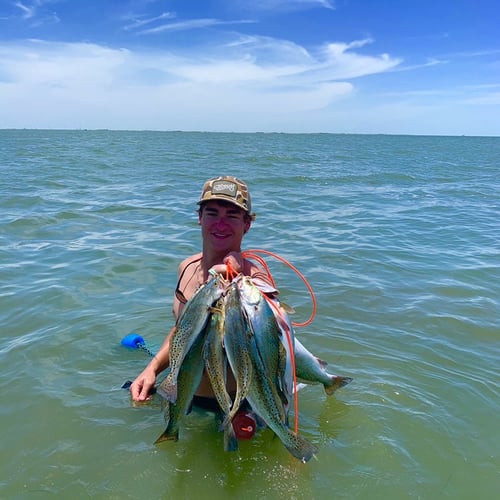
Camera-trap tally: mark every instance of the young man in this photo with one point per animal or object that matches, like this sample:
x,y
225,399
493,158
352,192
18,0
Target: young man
x,y
224,216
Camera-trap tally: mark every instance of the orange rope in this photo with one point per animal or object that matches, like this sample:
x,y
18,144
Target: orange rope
x,y
230,272
248,254
253,254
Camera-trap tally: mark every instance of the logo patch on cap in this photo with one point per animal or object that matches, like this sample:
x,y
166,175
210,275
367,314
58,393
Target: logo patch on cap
x,y
225,188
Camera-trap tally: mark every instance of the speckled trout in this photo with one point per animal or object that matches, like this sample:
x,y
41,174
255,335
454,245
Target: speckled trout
x,y
273,348
236,344
312,370
309,369
216,369
189,326
188,380
265,352
265,401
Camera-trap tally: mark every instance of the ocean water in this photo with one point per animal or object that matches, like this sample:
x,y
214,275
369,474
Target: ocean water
x,y
399,237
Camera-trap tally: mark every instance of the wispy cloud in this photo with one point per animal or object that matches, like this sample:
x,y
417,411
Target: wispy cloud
x,y
139,23
474,53
485,99
425,64
190,24
285,5
477,95
27,11
36,13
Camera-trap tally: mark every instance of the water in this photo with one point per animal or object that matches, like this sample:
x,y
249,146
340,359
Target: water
x,y
399,238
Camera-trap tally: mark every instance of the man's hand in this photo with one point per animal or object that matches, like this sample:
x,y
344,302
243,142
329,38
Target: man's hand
x,y
235,261
140,390
232,261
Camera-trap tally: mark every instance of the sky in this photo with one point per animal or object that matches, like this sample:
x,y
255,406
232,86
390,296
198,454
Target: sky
x,y
298,66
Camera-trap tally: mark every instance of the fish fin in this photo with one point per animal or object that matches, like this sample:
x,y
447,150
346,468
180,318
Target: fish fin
x,y
168,390
287,308
321,362
283,397
264,286
215,309
300,386
127,384
337,383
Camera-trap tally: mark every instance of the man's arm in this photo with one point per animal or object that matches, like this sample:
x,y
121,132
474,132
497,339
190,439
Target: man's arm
x,y
145,381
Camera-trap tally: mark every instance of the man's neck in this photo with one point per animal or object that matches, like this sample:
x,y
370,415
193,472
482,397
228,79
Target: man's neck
x,y
211,258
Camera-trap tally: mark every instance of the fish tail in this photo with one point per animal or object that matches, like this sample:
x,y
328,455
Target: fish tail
x,y
168,435
337,383
230,440
302,449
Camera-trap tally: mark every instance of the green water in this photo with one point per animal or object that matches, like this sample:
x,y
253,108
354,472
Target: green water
x,y
399,238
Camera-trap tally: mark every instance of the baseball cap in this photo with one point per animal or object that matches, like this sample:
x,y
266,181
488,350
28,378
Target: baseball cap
x,y
227,188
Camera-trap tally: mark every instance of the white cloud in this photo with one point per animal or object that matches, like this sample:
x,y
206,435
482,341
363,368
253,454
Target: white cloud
x,y
27,11
189,24
35,14
136,22
285,5
484,99
48,84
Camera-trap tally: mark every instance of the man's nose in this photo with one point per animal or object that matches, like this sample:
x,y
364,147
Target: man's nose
x,y
221,220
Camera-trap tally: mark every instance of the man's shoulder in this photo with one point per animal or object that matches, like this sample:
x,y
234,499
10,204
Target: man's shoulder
x,y
189,260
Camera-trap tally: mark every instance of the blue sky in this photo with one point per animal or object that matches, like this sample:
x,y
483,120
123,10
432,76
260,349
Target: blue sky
x,y
346,66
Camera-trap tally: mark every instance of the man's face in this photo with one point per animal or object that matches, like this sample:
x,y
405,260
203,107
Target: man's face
x,y
223,225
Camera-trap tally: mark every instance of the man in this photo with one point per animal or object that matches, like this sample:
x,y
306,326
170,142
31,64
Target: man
x,y
225,216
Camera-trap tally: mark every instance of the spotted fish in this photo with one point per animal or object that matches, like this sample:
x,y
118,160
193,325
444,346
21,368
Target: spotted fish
x,y
189,326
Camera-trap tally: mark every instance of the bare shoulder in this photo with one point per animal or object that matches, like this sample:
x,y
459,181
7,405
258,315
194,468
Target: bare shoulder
x,y
189,260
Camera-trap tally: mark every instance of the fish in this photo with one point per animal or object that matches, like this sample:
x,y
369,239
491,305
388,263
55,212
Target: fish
x,y
309,369
266,402
189,326
273,348
237,333
312,370
216,368
188,380
266,355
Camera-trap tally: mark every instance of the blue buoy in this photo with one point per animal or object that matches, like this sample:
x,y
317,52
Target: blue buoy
x,y
133,340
